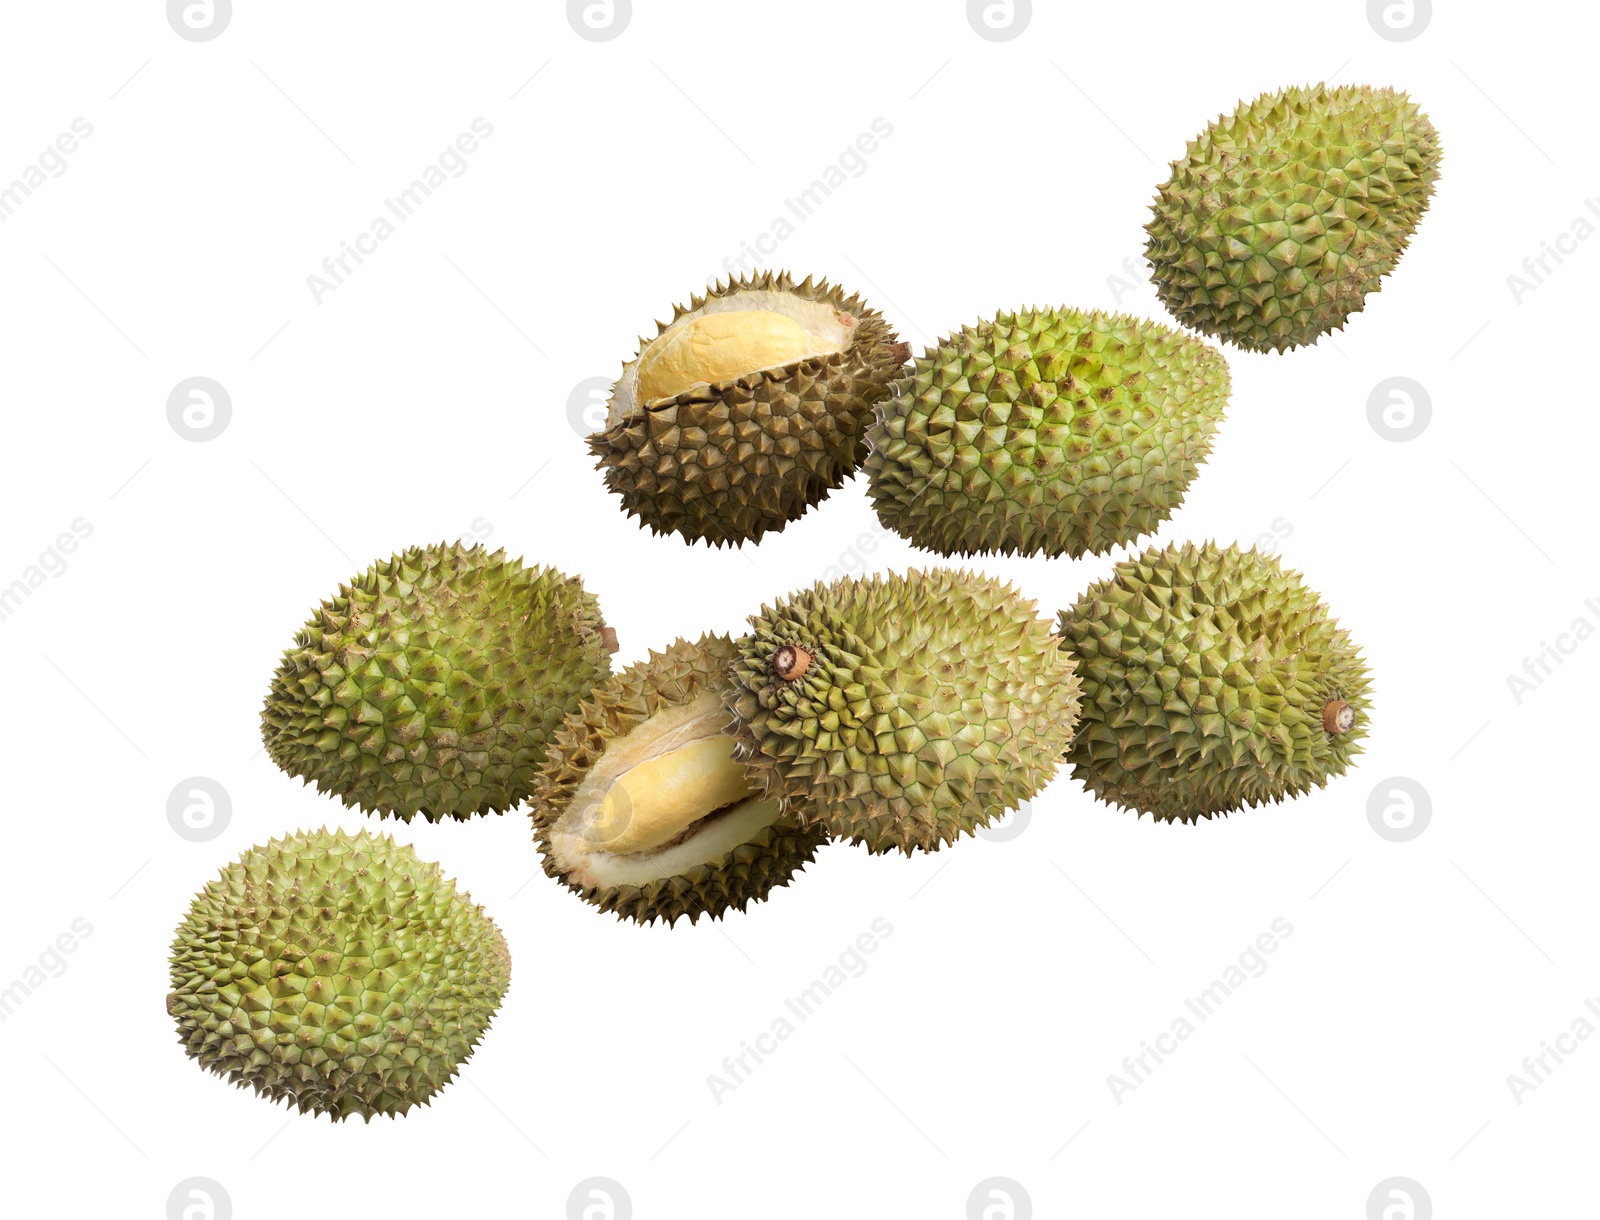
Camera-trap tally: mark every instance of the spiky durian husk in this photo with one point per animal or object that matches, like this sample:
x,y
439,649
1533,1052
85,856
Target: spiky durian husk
x,y
667,679
336,972
932,703
1283,216
433,681
730,461
1048,431
1205,674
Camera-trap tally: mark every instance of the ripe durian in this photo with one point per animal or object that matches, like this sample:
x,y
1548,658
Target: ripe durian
x,y
640,807
336,972
432,683
747,408
1281,217
902,711
1212,680
1047,431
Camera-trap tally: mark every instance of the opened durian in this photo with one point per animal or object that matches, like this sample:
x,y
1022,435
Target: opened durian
x,y
641,808
433,681
1212,679
902,711
1283,216
1048,431
746,409
336,972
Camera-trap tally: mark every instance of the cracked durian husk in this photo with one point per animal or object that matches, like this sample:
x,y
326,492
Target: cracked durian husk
x,y
641,808
747,408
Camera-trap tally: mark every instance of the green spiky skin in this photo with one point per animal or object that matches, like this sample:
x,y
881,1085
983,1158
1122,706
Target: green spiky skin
x,y
1051,431
932,703
433,682
1283,216
667,679
1205,674
731,461
337,973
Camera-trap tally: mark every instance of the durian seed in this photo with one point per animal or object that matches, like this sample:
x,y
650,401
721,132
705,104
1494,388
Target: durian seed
x,y
1338,716
720,347
654,802
791,662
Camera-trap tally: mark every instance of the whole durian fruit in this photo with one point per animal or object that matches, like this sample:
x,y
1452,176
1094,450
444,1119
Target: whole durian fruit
x,y
336,972
746,409
1212,680
433,681
640,807
902,711
1283,216
1048,431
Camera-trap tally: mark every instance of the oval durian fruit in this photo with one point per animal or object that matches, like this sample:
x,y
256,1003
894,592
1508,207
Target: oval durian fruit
x,y
746,409
1283,216
1045,431
641,808
1212,680
336,972
433,681
902,711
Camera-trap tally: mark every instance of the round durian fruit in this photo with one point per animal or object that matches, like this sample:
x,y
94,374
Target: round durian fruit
x,y
1045,431
336,972
1212,680
747,408
1283,216
641,808
432,683
902,711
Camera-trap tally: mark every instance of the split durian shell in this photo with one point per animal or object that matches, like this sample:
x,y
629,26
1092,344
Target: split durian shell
x,y
640,808
739,453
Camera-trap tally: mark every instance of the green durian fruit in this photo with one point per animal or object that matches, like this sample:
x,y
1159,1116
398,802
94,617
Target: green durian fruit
x,y
336,972
1048,431
433,682
640,807
902,711
1283,216
747,408
1212,680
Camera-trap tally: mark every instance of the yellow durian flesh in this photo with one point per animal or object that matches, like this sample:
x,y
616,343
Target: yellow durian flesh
x,y
719,347
657,800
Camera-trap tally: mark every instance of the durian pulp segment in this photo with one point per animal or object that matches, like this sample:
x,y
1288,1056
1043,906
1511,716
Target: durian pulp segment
x,y
728,337
665,798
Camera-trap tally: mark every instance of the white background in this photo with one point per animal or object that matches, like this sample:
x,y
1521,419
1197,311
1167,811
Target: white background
x,y
427,397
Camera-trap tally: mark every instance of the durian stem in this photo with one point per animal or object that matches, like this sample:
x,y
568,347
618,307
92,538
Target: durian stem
x,y
608,639
900,351
791,662
1338,716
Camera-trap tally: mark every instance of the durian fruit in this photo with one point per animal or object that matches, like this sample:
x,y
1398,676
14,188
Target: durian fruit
x,y
1045,431
433,681
336,972
902,711
640,807
1212,680
1283,216
746,409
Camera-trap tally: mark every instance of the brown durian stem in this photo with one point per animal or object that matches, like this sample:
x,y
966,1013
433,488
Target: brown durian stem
x,y
1338,716
608,639
791,662
900,351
